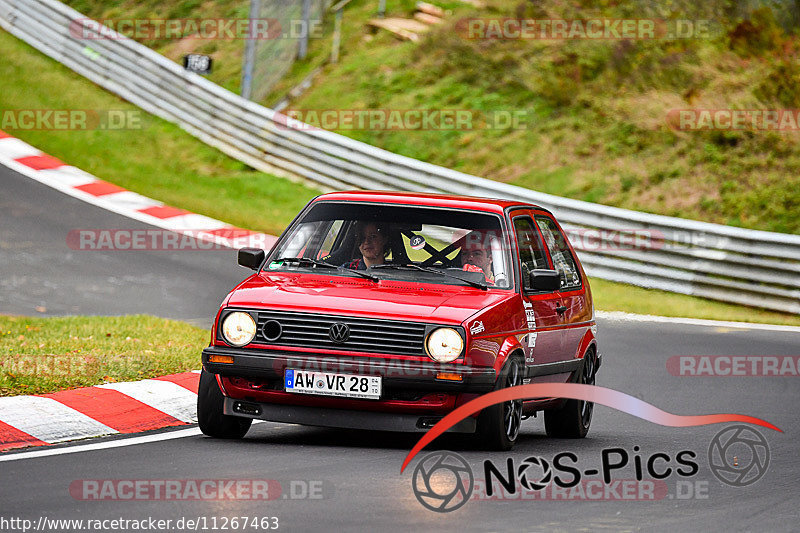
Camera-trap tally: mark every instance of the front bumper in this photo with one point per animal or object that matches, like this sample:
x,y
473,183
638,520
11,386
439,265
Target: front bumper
x,y
396,374
340,418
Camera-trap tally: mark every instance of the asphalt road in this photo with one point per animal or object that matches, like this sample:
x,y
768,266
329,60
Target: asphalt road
x,y
359,471
38,268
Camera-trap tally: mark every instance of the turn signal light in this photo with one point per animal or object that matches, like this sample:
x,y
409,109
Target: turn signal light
x,y
220,359
449,376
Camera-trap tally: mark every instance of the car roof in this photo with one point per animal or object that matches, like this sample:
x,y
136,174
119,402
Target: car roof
x,y
494,205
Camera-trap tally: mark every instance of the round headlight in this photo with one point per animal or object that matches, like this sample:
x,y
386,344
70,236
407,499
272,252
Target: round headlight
x,y
444,345
239,328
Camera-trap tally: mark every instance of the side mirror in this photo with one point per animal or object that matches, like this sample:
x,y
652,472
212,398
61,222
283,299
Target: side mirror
x,y
544,280
251,257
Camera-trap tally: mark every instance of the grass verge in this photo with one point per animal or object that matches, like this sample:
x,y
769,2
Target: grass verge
x,y
40,355
611,296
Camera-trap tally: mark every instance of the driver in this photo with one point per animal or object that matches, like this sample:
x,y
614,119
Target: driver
x,y
476,255
373,243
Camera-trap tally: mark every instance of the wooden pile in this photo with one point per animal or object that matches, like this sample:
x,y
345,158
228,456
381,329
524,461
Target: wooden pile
x,y
425,16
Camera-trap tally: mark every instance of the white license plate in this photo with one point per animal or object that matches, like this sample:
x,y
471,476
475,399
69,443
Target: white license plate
x,y
330,384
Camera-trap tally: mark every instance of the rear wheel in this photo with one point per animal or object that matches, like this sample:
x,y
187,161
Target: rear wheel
x,y
213,422
572,420
499,424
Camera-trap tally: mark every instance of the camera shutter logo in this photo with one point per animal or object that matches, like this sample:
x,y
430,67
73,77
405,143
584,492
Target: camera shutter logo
x,y
443,481
339,332
526,473
738,456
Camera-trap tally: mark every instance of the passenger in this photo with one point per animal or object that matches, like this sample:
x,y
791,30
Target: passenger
x,y
373,243
476,255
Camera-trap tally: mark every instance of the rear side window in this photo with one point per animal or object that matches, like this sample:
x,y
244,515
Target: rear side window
x,y
562,258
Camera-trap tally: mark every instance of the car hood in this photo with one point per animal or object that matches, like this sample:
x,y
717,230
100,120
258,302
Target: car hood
x,y
391,299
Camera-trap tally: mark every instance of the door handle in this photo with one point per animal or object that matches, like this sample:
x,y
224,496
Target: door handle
x,y
560,309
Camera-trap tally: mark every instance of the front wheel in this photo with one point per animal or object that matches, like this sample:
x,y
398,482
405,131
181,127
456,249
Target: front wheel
x,y
572,420
499,424
210,416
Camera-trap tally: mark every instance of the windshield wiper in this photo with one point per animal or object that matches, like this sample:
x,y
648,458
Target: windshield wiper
x,y
317,262
412,266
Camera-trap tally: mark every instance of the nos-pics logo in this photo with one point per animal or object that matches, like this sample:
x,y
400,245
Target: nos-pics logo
x,y
443,481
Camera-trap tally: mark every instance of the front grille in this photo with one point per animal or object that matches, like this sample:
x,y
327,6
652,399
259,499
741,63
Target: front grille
x,y
366,334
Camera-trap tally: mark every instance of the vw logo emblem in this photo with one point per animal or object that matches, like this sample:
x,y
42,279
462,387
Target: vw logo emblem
x,y
339,332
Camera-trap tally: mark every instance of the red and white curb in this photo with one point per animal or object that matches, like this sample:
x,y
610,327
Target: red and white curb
x,y
107,409
33,163
110,408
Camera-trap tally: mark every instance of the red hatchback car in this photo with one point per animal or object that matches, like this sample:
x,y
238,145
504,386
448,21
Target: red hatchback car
x,y
386,311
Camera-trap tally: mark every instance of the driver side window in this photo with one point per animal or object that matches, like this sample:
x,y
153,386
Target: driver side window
x,y
531,251
563,261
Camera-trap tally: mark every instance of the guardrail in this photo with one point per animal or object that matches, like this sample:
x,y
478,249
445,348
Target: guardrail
x,y
724,263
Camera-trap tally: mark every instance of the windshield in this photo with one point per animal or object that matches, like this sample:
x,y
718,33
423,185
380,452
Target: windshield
x,y
455,247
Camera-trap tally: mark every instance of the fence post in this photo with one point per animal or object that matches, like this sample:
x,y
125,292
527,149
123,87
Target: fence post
x,y
250,52
302,49
337,30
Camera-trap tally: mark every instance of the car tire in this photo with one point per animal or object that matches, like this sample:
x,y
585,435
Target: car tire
x,y
499,424
210,416
573,418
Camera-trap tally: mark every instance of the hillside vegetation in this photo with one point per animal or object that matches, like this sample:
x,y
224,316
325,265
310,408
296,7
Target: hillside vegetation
x,y
596,111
